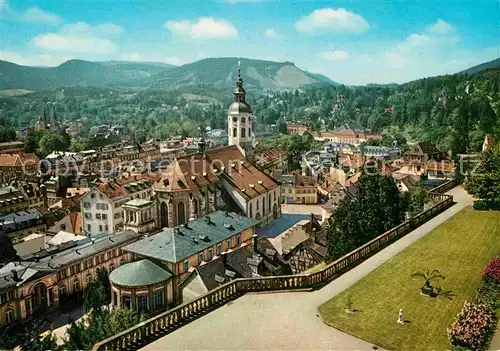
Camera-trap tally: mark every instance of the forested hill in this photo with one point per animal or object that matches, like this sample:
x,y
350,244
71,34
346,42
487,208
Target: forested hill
x,y
78,73
493,64
209,73
454,111
221,73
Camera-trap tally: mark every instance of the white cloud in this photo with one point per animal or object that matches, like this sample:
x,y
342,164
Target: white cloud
x,y
413,41
337,55
70,43
271,33
440,27
35,60
132,56
80,37
203,28
174,60
82,28
334,20
36,14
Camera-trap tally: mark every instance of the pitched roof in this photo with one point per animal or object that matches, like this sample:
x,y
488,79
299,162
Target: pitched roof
x,y
245,177
423,148
138,273
190,172
238,264
187,172
176,244
7,160
113,188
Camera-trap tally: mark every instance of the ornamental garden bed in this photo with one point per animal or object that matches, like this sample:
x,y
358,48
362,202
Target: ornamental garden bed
x,y
460,248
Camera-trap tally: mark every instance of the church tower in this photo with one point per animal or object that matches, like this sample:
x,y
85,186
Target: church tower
x,y
240,119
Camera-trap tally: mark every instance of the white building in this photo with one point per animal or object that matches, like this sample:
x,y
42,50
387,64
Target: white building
x,y
101,207
240,119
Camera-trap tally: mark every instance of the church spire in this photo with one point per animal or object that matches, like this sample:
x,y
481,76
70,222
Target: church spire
x,y
239,92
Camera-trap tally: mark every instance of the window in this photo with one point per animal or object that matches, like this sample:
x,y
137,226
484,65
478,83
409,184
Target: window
x,y
242,119
92,195
86,205
98,216
115,298
201,258
100,227
181,214
243,132
238,239
228,243
88,215
186,266
235,132
62,290
250,210
210,254
89,227
76,286
88,278
219,249
118,215
126,301
9,315
106,228
158,298
263,206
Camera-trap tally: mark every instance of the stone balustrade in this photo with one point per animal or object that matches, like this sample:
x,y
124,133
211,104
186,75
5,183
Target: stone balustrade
x,y
168,321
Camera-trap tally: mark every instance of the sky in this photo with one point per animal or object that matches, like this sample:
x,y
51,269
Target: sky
x,y
353,42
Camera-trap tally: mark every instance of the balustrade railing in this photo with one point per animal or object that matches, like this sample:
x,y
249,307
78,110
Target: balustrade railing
x,y
175,318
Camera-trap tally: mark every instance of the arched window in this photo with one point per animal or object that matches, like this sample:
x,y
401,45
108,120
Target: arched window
x,y
242,119
9,315
195,206
249,132
76,286
181,213
250,210
111,267
235,119
263,206
62,290
122,262
243,132
163,215
249,119
235,132
88,278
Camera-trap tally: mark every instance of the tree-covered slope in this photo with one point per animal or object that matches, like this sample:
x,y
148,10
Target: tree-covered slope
x,y
221,73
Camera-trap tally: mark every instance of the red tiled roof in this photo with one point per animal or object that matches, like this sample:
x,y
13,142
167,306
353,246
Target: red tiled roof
x,y
7,160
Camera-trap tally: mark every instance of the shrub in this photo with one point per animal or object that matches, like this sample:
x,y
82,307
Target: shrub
x,y
492,270
473,326
480,206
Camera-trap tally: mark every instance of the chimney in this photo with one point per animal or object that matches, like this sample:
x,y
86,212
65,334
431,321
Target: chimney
x,y
224,258
254,242
15,277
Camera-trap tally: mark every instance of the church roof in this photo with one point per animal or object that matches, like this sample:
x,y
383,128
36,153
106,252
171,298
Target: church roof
x,y
247,179
239,107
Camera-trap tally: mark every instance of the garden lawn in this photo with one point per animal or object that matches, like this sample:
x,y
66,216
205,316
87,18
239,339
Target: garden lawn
x,y
460,249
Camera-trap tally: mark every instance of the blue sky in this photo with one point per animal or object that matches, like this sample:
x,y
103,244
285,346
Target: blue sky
x,y
353,42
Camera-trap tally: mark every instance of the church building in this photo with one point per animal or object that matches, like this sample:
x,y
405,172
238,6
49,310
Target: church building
x,y
222,178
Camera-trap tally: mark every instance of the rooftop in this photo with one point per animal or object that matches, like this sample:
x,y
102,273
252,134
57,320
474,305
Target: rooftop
x,y
139,273
176,244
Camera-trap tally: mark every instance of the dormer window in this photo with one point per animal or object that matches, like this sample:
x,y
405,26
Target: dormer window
x,y
242,119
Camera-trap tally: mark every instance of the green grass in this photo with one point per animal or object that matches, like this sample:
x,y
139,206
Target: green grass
x,y
460,248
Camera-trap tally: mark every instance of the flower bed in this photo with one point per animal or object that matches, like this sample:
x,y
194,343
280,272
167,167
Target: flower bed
x,y
473,327
493,269
476,322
